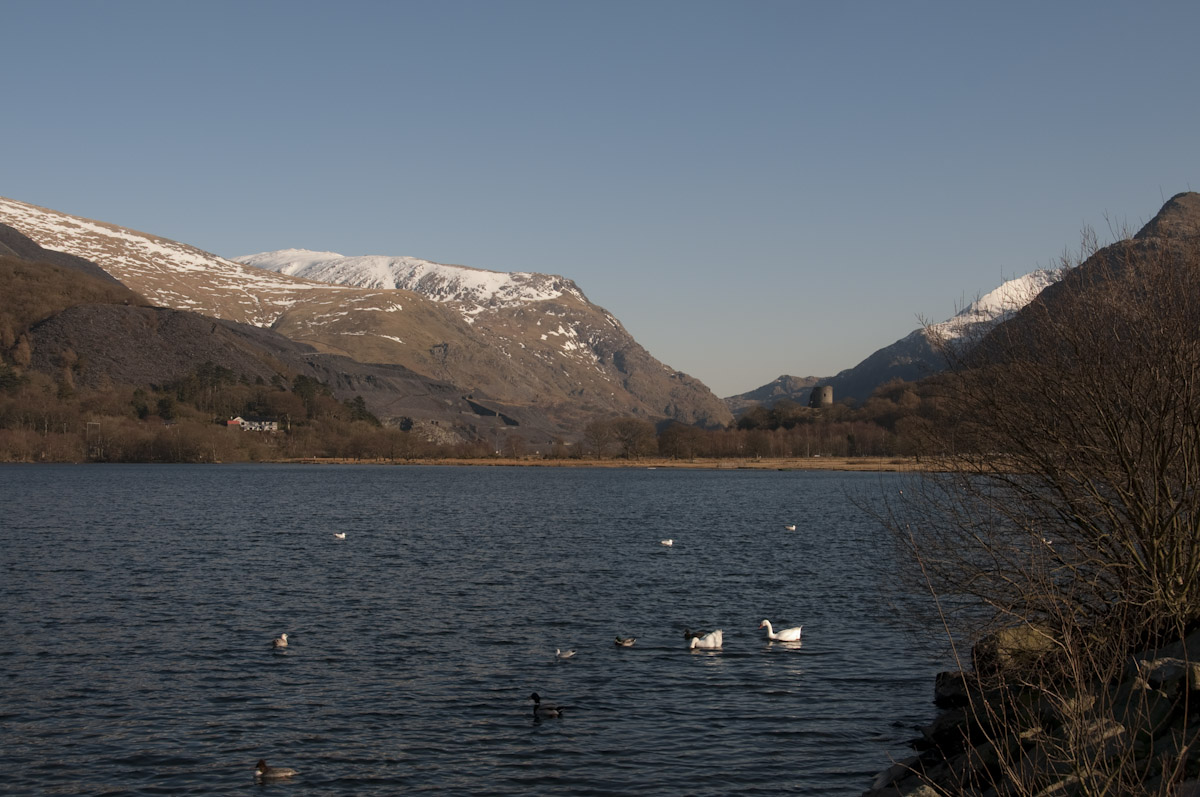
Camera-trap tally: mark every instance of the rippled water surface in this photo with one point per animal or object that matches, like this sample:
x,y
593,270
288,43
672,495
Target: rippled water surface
x,y
140,602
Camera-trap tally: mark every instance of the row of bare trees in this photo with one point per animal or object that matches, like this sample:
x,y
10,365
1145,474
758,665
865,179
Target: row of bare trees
x,y
43,418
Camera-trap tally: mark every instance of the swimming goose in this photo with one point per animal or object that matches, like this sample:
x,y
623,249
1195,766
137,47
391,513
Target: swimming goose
x,y
626,641
563,654
709,641
668,543
264,772
279,641
784,634
339,535
545,710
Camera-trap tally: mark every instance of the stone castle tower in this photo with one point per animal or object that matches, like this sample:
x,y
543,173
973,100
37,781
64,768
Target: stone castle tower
x,y
821,396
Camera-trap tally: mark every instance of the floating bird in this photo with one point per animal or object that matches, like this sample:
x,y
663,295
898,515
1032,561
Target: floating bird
x,y
710,641
279,641
339,535
626,641
790,527
784,634
563,654
264,772
545,710
668,543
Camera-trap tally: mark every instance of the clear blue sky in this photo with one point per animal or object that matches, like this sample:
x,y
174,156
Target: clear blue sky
x,y
754,188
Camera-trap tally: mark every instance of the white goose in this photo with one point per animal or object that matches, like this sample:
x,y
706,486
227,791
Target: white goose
x,y
710,641
784,634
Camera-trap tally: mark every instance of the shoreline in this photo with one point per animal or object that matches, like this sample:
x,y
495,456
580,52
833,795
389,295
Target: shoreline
x,y
647,463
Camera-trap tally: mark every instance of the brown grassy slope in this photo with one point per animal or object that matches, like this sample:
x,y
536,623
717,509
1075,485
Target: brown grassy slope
x,y
33,291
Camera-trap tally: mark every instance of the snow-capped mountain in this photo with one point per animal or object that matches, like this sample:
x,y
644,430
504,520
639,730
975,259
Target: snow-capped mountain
x,y
914,356
992,308
474,288
917,355
166,272
528,340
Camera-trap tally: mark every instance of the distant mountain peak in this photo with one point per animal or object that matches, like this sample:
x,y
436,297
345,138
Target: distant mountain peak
x,y
1179,217
475,289
992,308
782,388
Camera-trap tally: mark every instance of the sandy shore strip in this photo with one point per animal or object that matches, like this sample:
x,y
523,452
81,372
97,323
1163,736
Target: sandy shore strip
x,y
650,463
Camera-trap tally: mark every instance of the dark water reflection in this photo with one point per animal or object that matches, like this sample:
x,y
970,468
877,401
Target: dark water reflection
x,y
140,602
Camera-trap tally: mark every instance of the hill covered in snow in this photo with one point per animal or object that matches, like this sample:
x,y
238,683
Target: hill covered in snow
x,y
473,288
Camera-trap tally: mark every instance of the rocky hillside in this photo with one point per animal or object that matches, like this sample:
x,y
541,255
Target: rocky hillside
x,y
536,349
1177,224
790,388
103,345
71,320
917,354
14,244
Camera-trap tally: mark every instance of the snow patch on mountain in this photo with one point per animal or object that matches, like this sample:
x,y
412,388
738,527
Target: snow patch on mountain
x,y
992,308
166,272
476,289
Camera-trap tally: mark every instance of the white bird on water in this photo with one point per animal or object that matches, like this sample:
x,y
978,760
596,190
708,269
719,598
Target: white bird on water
x,y
790,527
784,634
279,641
563,654
339,535
710,641
668,543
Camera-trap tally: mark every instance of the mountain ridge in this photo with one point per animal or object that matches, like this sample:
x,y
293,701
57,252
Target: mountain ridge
x,y
561,356
917,354
475,288
914,356
85,330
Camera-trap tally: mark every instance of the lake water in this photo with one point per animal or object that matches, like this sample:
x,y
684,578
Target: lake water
x,y
140,603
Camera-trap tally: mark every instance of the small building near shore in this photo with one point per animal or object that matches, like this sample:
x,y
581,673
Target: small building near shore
x,y
254,423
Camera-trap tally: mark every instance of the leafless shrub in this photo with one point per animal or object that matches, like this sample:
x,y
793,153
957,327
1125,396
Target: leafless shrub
x,y
1062,536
